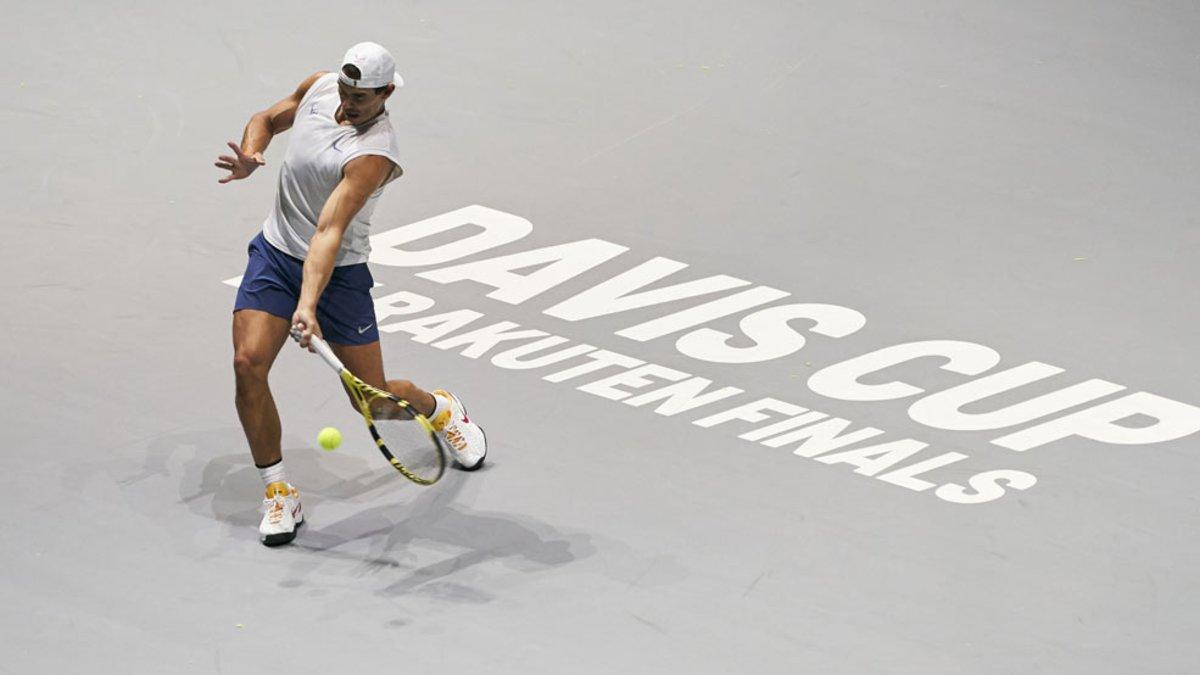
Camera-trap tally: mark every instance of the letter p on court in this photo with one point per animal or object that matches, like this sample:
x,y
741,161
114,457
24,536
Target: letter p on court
x,y
1172,420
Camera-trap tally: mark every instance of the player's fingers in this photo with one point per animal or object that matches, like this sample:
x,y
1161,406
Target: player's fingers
x,y
236,149
226,158
223,165
305,333
225,180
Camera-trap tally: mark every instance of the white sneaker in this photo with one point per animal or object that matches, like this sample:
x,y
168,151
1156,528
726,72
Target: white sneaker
x,y
464,438
283,514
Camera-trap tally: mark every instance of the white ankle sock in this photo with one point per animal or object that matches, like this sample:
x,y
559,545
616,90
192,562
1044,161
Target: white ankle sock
x,y
440,403
273,473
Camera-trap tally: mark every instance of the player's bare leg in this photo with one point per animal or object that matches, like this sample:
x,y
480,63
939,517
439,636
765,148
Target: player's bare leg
x,y
257,339
366,362
464,437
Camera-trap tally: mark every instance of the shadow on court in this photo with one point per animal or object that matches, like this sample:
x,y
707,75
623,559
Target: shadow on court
x,y
387,515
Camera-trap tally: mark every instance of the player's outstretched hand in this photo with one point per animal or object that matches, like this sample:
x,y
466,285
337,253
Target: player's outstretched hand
x,y
306,320
239,165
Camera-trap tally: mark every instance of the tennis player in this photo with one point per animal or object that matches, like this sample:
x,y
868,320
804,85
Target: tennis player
x,y
308,266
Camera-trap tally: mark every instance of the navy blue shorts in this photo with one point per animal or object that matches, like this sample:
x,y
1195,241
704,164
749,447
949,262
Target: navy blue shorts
x,y
345,310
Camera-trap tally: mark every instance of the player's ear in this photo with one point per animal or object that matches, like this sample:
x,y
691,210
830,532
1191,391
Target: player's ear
x,y
388,91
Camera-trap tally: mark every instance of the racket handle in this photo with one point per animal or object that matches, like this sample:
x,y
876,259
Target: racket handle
x,y
322,348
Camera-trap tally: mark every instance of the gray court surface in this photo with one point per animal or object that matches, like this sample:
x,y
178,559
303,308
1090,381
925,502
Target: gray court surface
x,y
1021,176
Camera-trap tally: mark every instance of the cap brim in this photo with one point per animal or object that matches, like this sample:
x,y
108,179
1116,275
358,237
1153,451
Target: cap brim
x,y
364,84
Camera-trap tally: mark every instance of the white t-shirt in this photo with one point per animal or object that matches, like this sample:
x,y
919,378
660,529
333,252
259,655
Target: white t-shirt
x,y
312,168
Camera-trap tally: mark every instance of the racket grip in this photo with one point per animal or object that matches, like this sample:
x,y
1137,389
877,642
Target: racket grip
x,y
322,348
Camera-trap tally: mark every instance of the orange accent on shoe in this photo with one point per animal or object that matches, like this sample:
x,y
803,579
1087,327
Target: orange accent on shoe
x,y
456,439
279,488
275,511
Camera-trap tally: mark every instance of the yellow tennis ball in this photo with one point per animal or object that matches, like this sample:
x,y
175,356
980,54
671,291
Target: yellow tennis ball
x,y
329,438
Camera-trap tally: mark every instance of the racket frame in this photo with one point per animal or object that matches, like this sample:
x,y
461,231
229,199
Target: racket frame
x,y
363,394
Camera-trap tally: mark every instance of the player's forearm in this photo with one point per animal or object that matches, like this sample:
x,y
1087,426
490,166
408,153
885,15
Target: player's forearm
x,y
318,265
258,133
347,198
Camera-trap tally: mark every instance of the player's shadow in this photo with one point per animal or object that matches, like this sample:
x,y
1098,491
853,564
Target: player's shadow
x,y
434,516
227,487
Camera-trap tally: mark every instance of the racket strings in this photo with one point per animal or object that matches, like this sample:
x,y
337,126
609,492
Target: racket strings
x,y
410,442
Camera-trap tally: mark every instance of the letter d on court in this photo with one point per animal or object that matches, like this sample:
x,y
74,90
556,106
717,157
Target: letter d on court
x,y
499,228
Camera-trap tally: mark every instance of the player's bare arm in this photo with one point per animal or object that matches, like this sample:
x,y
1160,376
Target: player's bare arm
x,y
360,178
263,126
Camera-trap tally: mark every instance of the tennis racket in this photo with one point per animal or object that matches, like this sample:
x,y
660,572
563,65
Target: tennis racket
x,y
406,438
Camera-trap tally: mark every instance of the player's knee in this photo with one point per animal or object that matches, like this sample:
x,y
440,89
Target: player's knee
x,y
249,366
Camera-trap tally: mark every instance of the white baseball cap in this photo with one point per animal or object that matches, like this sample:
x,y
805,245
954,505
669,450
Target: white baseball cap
x,y
374,64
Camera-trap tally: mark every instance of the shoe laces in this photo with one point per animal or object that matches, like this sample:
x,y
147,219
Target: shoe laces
x,y
275,508
455,438
447,425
